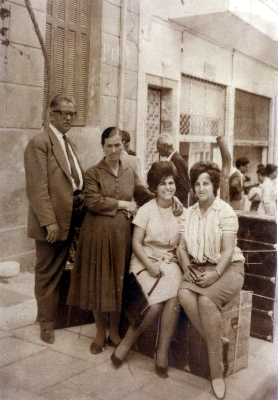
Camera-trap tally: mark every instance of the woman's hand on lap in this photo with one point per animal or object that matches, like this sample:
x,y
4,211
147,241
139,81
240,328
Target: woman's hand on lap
x,y
206,279
154,270
188,275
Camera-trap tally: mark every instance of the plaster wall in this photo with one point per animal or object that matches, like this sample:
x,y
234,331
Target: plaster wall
x,y
169,50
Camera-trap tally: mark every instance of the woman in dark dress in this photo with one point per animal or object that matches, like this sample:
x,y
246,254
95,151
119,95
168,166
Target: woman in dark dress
x,y
104,246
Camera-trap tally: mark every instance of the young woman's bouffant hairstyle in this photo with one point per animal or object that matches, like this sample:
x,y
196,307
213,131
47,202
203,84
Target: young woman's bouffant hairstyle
x,y
210,168
159,171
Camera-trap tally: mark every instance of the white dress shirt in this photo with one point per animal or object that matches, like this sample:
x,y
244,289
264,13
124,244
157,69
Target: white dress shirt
x,y
59,136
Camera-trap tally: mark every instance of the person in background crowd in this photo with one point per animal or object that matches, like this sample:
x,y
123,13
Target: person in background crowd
x,y
104,247
268,203
212,264
255,193
129,157
165,148
236,181
126,142
54,184
155,238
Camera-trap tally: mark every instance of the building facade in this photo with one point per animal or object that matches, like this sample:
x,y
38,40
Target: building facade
x,y
197,71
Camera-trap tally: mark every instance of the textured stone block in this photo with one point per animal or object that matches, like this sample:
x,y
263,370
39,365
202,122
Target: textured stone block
x,y
3,97
25,69
110,49
109,80
15,241
39,5
131,84
21,27
111,19
131,56
13,200
108,111
134,6
132,28
130,117
24,107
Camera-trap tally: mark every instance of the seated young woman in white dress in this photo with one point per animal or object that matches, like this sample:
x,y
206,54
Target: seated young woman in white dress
x,y
155,238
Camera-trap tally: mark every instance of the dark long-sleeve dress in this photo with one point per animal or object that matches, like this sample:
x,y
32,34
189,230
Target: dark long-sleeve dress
x,y
104,246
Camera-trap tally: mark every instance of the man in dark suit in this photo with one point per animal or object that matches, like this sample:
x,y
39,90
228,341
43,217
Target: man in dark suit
x,y
236,181
165,148
54,185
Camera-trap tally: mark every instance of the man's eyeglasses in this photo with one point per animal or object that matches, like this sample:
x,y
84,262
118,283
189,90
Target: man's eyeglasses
x,y
64,114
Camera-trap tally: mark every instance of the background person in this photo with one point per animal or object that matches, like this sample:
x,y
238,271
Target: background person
x,y
165,148
129,157
268,203
236,182
104,247
255,193
54,185
155,237
209,243
126,142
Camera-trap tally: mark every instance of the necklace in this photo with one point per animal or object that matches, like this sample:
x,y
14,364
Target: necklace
x,y
167,240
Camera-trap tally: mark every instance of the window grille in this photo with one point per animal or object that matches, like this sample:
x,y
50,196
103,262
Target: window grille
x,y
67,44
153,126
202,110
251,116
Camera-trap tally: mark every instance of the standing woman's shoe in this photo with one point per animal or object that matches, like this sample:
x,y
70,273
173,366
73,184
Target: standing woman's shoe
x,y
161,372
97,348
219,388
225,355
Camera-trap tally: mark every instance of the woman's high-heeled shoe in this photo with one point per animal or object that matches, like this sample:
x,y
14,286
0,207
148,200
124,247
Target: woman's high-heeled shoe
x,y
219,388
162,372
116,362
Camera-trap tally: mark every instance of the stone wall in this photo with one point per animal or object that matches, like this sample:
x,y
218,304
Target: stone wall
x,y
21,80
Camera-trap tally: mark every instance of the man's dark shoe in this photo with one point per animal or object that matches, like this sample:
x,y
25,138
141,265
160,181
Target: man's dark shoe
x,y
47,335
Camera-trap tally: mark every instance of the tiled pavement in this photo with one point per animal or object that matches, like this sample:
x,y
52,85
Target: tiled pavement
x,y
66,370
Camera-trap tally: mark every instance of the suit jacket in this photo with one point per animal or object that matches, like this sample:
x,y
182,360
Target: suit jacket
x,y
183,181
48,185
133,162
235,186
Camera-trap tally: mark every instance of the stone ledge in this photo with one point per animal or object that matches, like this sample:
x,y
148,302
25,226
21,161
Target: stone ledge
x,y
26,260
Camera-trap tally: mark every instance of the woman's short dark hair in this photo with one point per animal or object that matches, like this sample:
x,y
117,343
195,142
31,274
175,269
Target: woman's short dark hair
x,y
270,168
261,170
109,132
211,169
159,171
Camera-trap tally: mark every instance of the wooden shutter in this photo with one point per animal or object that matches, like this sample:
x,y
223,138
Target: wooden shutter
x,y
67,41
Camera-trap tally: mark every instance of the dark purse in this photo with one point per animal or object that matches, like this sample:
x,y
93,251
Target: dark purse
x,y
136,303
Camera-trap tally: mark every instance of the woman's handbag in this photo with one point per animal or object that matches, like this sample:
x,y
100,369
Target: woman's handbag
x,y
136,301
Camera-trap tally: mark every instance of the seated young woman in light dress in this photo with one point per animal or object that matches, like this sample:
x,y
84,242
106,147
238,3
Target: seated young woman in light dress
x,y
155,238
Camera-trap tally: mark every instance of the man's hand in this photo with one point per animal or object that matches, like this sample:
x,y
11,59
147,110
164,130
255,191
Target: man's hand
x,y
177,207
52,233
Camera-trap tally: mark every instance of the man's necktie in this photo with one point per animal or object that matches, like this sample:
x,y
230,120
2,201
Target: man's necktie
x,y
74,172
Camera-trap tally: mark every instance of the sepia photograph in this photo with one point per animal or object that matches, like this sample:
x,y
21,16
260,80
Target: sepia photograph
x,y
138,199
